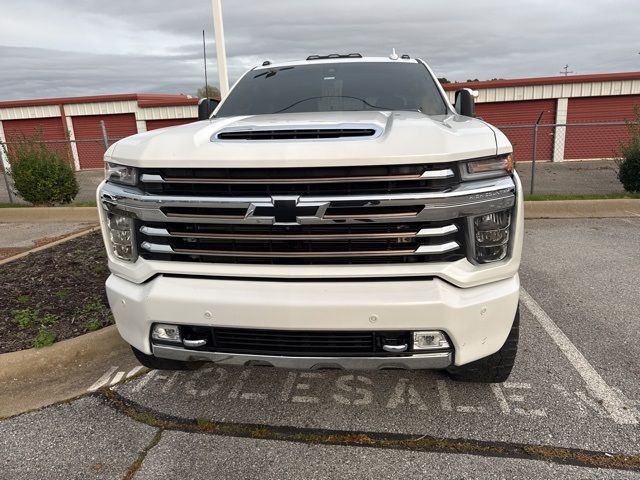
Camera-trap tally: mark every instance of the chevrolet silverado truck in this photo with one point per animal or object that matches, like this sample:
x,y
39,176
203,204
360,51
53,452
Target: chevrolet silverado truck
x,y
336,212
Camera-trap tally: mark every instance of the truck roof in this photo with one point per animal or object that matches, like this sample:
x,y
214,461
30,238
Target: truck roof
x,y
326,59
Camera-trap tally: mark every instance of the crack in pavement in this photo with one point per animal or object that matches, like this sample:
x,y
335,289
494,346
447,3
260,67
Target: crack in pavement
x,y
135,466
425,443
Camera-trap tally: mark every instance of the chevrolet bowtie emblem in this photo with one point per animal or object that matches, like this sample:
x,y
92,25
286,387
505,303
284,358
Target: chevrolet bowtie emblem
x,y
284,210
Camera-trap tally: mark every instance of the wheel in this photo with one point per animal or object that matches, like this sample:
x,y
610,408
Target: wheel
x,y
495,368
156,363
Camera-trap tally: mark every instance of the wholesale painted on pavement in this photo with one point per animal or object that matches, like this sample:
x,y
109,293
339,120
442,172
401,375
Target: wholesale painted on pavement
x,y
571,403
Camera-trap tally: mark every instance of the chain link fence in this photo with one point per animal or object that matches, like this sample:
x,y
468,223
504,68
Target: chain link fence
x,y
543,149
81,154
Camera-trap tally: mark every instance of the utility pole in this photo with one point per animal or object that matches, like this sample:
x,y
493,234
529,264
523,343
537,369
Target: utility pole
x,y
565,70
220,50
204,56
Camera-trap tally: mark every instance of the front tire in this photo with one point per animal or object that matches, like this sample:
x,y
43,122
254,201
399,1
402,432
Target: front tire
x,y
495,368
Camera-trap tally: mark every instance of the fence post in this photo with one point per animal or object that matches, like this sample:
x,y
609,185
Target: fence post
x,y
105,138
535,147
5,175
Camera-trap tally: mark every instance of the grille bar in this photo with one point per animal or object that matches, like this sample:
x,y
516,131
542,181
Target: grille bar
x,y
422,250
423,232
427,174
297,180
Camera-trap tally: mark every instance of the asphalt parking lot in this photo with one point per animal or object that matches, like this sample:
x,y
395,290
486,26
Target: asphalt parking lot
x,y
569,410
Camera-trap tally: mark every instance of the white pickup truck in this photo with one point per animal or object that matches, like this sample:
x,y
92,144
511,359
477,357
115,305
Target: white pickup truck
x,y
336,212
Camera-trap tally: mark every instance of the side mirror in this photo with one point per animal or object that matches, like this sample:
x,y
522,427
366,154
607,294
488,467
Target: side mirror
x,y
465,103
206,106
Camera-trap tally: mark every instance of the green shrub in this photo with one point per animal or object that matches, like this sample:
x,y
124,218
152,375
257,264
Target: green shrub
x,y
629,164
41,176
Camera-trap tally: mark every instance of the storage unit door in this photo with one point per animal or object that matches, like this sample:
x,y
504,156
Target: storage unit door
x,y
50,130
516,120
171,122
598,141
89,135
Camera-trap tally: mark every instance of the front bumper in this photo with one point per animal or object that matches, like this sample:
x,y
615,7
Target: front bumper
x,y
477,320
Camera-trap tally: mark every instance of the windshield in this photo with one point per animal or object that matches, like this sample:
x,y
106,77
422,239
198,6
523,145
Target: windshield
x,y
329,87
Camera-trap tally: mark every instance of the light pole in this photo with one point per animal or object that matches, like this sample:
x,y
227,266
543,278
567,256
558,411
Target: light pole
x,y
220,50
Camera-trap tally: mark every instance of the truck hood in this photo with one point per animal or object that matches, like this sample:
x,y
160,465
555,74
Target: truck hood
x,y
399,137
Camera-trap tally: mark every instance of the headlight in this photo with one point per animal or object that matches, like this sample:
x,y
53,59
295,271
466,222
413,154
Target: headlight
x,y
488,167
114,172
491,236
121,238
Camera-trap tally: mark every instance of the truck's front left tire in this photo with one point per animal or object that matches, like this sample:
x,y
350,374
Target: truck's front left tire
x,y
495,368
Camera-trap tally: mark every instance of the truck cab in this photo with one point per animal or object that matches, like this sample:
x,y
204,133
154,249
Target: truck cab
x,y
334,212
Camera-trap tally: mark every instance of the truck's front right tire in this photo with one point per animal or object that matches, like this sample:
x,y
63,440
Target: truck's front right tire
x,y
495,368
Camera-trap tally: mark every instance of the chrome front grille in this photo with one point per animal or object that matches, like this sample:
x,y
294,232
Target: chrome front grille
x,y
407,214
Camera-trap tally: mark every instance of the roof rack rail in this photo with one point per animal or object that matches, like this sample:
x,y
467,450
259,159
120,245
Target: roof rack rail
x,y
334,55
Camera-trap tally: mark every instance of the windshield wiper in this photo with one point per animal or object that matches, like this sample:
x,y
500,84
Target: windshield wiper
x,y
375,107
271,72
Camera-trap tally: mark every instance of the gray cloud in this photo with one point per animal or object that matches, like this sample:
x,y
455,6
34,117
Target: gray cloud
x,y
76,47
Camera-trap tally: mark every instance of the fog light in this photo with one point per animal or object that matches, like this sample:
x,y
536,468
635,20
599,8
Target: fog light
x,y
166,333
430,340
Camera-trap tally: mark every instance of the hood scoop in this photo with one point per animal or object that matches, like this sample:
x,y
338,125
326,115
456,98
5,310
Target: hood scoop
x,y
295,133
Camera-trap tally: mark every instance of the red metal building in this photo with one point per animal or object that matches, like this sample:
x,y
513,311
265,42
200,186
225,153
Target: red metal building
x,y
566,105
58,120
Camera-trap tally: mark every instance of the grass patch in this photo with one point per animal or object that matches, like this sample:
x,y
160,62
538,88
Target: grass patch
x,y
25,317
30,317
554,196
44,338
94,307
61,294
93,325
23,299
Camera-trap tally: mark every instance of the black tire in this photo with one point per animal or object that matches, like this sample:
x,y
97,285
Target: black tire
x,y
495,368
156,363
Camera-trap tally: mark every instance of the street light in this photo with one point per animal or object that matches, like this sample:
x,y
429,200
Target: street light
x,y
220,50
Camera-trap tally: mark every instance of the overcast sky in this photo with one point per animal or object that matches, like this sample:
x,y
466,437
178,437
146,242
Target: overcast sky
x,y
82,47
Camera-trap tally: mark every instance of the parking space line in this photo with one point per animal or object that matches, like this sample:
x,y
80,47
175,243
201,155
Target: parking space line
x,y
102,380
616,408
134,370
117,377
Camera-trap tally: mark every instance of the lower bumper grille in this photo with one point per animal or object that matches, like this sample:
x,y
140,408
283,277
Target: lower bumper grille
x,y
297,343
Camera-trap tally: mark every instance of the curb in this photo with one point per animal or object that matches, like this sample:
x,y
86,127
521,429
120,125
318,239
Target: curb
x,y
61,355
614,208
49,245
49,215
